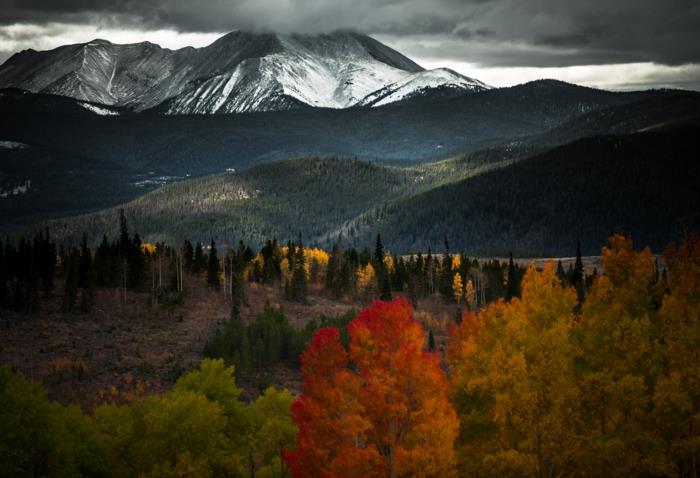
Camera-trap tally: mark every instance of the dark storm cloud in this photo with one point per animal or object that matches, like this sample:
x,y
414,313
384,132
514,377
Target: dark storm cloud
x,y
490,32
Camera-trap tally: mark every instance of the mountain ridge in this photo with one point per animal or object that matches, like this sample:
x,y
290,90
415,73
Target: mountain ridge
x,y
239,72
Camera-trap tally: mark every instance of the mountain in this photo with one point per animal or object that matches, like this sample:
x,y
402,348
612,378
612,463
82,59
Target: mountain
x,y
239,72
79,161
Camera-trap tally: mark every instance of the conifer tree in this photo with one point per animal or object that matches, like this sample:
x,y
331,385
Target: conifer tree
x,y
213,267
187,252
381,271
299,283
4,291
70,291
513,289
85,265
199,262
577,276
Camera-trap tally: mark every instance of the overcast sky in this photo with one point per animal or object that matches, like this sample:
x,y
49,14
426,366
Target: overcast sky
x,y
615,44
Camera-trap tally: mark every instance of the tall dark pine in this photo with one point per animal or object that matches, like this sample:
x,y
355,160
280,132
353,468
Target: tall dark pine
x,y
85,265
124,242
446,277
299,283
513,289
379,251
213,267
381,271
199,261
4,291
577,276
187,251
137,264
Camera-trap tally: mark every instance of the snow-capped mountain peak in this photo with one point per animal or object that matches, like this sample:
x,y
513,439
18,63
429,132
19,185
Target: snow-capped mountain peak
x,y
239,72
442,79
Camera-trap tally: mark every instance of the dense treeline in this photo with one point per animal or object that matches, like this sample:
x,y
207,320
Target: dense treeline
x,y
26,272
130,265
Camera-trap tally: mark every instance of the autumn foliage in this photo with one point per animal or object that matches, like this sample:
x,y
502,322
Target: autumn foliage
x,y
545,388
379,408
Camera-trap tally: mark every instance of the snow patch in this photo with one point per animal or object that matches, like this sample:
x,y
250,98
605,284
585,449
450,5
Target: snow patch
x,y
99,110
12,145
16,190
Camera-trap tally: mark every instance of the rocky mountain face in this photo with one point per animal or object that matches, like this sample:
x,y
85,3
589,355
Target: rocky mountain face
x,y
240,72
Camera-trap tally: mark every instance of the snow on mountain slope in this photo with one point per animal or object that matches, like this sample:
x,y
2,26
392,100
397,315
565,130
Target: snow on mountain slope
x,y
240,72
422,83
99,110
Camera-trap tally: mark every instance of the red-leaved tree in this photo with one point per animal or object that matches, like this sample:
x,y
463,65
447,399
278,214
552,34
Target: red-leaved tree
x,y
378,409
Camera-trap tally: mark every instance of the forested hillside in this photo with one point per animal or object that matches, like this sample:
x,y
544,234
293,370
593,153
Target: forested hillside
x,y
491,201
645,184
280,199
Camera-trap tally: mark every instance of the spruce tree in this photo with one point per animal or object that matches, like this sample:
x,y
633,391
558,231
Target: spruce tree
x,y
382,274
85,265
561,273
4,291
577,276
431,341
299,284
513,289
199,261
213,267
70,291
378,252
187,251
446,277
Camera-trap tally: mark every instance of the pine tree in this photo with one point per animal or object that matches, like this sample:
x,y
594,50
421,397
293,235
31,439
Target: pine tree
x,y
378,252
199,262
446,277
431,341
70,291
4,291
577,276
513,289
213,267
299,282
561,273
187,252
381,271
85,265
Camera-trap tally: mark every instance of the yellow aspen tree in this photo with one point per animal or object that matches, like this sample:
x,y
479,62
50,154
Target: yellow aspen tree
x,y
457,288
470,294
513,382
366,281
